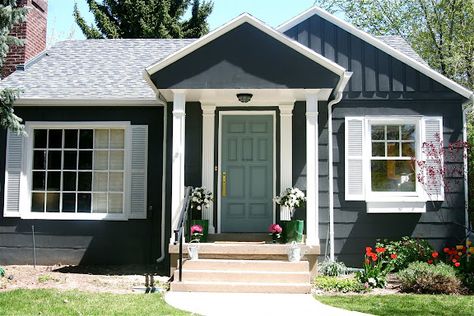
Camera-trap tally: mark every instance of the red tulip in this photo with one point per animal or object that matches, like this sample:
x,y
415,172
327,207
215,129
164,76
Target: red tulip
x,y
435,254
393,256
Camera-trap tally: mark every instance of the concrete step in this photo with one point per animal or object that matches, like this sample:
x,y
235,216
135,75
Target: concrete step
x,y
244,276
246,265
234,287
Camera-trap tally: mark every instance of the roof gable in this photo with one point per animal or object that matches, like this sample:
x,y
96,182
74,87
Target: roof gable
x,y
374,63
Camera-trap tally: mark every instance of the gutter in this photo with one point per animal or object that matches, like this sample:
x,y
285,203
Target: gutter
x,y
467,107
339,92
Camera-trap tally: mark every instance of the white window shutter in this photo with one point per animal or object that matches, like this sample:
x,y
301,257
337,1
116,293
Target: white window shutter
x,y
138,172
13,168
433,133
354,159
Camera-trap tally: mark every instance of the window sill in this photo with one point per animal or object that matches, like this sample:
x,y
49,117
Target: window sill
x,y
74,216
397,207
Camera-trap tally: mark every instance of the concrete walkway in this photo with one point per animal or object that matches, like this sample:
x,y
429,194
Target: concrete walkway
x,y
249,304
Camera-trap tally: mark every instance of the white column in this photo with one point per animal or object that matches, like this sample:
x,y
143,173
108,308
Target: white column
x,y
208,119
177,183
312,186
286,153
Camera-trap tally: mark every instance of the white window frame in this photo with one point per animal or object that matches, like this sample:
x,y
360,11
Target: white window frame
x,y
27,171
393,202
384,195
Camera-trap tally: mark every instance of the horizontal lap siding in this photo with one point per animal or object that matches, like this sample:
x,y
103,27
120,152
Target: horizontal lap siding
x,y
354,228
89,242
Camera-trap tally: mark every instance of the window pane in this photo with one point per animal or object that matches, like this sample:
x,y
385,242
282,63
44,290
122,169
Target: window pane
x,y
378,132
378,149
54,180
55,138
101,160
85,160
39,159
408,132
102,138
52,202
86,137
392,175
99,203
393,149
116,160
37,202
54,160
393,132
40,138
69,202
39,180
84,202
100,181
117,138
70,138
115,203
69,181
85,181
70,160
408,149
116,182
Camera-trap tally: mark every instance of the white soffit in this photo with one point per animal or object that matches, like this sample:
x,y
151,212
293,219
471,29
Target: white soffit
x,y
377,43
241,19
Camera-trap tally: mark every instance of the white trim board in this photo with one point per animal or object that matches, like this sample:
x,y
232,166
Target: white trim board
x,y
241,19
219,157
87,102
379,44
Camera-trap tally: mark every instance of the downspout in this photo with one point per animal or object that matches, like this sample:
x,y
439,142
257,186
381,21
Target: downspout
x,y
467,107
339,92
163,185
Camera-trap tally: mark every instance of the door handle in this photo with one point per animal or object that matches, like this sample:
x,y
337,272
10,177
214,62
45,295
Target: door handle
x,y
224,183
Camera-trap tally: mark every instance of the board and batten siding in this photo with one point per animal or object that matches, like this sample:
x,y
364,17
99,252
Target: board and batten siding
x,y
89,241
375,73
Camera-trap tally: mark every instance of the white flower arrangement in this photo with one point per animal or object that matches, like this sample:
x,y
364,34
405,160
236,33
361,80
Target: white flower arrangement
x,y
291,198
200,198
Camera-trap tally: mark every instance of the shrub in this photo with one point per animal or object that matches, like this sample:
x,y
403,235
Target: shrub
x,y
331,268
335,284
376,268
408,250
467,280
422,277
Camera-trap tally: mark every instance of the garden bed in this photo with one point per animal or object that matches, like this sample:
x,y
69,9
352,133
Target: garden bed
x,y
110,279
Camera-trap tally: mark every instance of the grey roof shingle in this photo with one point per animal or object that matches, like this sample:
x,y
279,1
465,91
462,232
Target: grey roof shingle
x,y
109,69
401,45
94,69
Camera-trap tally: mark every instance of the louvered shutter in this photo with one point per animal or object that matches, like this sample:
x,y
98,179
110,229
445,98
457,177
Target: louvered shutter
x,y
138,172
433,134
354,159
13,168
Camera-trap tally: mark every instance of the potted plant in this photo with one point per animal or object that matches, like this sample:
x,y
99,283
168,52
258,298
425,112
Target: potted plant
x,y
292,198
201,199
275,231
193,246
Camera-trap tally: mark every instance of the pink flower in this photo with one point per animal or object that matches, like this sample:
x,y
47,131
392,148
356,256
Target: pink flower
x,y
275,229
196,229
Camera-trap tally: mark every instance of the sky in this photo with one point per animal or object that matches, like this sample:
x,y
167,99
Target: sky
x,y
61,24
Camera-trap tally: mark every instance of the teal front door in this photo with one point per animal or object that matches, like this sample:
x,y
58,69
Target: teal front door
x,y
246,173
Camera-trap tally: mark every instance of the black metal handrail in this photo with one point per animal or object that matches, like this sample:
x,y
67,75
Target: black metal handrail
x,y
180,229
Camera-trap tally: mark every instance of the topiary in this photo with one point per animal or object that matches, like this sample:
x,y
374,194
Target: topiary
x,y
421,277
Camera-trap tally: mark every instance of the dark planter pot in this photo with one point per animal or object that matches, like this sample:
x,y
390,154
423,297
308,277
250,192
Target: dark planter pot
x,y
292,230
204,223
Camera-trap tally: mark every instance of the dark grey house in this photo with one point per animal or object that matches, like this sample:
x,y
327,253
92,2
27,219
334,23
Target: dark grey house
x,y
118,128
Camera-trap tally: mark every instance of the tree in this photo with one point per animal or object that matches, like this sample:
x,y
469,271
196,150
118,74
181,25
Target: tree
x,y
440,31
10,15
145,19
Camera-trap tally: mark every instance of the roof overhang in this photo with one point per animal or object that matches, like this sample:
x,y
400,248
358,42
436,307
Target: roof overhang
x,y
242,23
454,86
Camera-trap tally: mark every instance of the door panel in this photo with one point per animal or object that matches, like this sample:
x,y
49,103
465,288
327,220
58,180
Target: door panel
x,y
247,165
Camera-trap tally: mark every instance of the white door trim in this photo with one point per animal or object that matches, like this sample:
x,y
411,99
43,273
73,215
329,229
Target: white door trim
x,y
219,159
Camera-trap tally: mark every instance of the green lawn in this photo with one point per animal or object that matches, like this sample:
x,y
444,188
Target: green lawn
x,y
53,302
394,305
